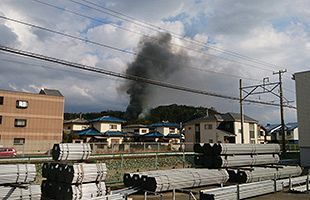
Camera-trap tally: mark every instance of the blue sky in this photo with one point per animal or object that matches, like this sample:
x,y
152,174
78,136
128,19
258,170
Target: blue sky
x,y
273,31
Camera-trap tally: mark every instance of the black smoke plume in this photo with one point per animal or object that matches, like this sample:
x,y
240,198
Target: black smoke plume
x,y
156,60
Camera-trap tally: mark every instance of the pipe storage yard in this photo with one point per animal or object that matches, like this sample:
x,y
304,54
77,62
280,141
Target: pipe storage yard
x,y
68,177
165,180
71,151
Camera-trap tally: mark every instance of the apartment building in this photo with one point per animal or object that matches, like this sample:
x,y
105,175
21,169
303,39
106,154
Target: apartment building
x,y
220,128
29,122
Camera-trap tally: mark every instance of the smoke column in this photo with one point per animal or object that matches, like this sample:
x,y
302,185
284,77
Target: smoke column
x,y
156,60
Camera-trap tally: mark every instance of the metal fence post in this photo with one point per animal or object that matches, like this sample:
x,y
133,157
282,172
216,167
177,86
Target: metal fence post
x,y
156,160
145,195
307,184
238,192
173,194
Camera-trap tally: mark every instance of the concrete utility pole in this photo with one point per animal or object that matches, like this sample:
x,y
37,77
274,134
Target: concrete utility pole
x,y
241,112
280,72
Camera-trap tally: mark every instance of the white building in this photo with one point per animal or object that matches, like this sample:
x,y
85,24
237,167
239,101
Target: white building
x,y
291,130
302,80
139,129
221,128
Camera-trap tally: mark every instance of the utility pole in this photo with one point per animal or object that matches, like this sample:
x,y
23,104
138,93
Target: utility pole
x,y
280,72
241,112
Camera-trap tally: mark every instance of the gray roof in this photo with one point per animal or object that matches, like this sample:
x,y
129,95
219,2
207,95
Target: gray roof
x,y
50,92
228,117
76,121
235,117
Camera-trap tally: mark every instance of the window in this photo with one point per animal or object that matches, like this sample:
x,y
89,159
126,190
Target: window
x,y
20,122
210,141
21,104
144,131
1,100
113,126
252,134
171,130
208,126
19,141
0,119
189,128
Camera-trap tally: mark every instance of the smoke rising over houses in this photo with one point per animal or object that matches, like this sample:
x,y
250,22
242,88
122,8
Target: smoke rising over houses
x,y
156,60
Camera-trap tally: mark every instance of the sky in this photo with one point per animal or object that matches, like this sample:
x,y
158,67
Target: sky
x,y
263,36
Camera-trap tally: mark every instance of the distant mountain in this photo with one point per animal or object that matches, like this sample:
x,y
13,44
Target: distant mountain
x,y
172,113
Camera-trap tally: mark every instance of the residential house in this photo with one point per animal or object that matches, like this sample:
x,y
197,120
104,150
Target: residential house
x,y
220,128
104,129
263,136
30,122
291,130
165,128
77,124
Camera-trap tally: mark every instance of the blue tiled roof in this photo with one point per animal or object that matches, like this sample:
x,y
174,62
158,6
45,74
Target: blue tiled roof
x,y
165,124
291,126
153,134
271,128
173,135
89,131
108,119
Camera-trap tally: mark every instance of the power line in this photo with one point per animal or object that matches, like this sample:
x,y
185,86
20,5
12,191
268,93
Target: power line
x,y
176,35
126,76
109,46
148,36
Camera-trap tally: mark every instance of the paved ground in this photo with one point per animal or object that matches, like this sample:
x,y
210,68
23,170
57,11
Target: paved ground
x,y
182,196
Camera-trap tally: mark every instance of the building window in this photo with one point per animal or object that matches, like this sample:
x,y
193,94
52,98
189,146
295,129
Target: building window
x,y
21,104
19,141
252,134
0,119
113,126
20,122
144,131
189,128
1,100
210,141
171,130
208,126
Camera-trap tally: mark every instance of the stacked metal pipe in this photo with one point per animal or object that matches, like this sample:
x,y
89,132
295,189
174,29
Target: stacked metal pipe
x,y
57,190
246,190
262,173
73,181
165,180
26,192
75,173
234,155
18,173
71,151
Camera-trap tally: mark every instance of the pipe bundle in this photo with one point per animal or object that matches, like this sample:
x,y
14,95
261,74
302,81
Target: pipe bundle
x,y
246,190
165,180
28,192
75,173
17,173
262,173
71,151
234,155
59,191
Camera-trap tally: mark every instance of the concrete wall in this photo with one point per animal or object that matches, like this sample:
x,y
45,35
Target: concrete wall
x,y
302,81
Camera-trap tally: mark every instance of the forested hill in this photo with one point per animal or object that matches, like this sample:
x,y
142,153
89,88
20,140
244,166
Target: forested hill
x,y
172,113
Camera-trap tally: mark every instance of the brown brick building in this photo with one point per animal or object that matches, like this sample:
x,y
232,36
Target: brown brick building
x,y
31,122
